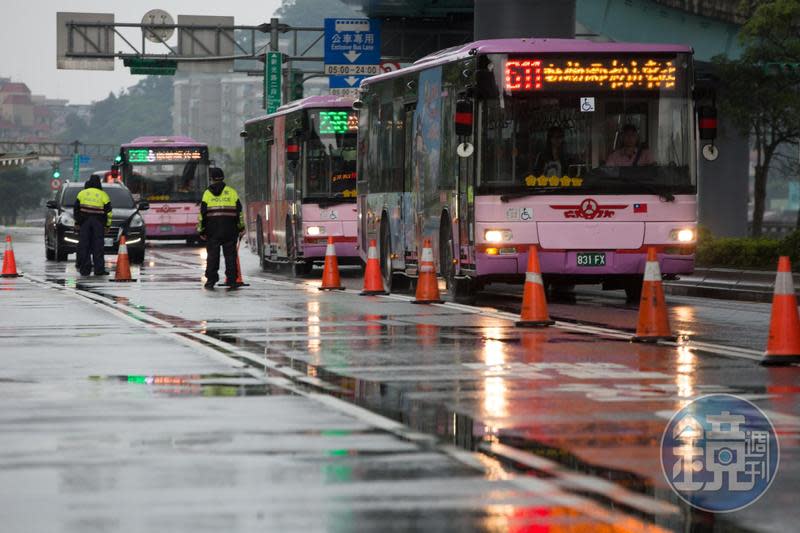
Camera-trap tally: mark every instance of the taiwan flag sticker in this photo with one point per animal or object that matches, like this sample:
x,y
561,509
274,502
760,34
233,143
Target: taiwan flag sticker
x,y
640,208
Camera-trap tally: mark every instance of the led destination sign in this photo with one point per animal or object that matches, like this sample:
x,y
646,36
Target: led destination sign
x,y
164,155
337,122
608,73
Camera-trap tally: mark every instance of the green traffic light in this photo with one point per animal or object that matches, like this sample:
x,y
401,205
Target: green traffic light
x,y
56,174
118,159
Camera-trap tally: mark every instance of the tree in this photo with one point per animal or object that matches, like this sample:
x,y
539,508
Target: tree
x,y
21,189
761,103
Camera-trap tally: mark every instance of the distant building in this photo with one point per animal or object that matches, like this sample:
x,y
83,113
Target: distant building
x,y
212,108
27,116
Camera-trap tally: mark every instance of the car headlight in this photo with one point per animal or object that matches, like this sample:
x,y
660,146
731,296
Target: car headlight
x,y
497,235
683,235
315,230
66,219
137,221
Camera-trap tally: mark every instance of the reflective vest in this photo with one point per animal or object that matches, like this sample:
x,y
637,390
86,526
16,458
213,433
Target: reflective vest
x,y
93,202
223,205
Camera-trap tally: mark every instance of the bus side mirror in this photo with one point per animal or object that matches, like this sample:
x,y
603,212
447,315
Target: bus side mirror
x,y
464,118
358,104
293,150
707,122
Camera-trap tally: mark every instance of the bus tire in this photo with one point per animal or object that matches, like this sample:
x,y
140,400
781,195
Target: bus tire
x,y
633,290
460,290
262,260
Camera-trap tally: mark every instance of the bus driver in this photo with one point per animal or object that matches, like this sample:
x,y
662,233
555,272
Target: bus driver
x,y
632,154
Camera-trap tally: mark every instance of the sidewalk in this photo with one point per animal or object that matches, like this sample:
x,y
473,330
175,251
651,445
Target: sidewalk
x,y
726,284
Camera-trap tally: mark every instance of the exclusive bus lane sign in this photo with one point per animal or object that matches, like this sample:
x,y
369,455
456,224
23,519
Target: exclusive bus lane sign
x,y
352,50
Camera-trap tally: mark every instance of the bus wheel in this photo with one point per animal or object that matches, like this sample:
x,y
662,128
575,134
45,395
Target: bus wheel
x,y
262,260
386,256
633,290
460,290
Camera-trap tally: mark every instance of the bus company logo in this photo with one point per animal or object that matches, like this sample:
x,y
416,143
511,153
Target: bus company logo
x,y
167,209
589,209
720,453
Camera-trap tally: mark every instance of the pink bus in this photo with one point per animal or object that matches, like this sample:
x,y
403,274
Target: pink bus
x,y
586,150
300,183
171,173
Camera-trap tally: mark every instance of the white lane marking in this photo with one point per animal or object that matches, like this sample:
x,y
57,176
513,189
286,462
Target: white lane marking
x,y
693,345
198,341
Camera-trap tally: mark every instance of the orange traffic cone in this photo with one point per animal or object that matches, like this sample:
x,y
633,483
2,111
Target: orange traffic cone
x,y
783,345
534,303
373,282
330,274
653,320
9,263
427,284
123,272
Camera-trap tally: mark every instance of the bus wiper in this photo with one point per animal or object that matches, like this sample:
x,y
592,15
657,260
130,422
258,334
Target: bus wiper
x,y
646,186
512,195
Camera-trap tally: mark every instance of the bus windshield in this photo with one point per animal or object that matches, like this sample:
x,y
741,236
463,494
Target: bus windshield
x,y
560,126
176,181
330,156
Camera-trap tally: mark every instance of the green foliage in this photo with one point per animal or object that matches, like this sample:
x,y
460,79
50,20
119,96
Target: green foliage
x,y
757,103
746,253
21,189
144,109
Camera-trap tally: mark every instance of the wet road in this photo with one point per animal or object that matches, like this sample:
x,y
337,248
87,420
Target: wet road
x,y
566,421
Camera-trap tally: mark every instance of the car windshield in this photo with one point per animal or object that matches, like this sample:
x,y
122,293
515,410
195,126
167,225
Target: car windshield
x,y
120,198
570,135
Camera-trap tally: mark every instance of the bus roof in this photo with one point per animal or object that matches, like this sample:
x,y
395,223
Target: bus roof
x,y
163,140
310,102
529,46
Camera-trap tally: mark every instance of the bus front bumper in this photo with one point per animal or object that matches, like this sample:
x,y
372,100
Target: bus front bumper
x,y
565,263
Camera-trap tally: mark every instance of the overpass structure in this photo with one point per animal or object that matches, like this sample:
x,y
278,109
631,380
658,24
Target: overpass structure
x,y
414,28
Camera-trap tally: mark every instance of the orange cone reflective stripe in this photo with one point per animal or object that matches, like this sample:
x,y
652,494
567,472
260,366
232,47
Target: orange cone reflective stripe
x,y
373,281
330,274
653,324
534,302
239,279
783,344
427,284
9,262
123,272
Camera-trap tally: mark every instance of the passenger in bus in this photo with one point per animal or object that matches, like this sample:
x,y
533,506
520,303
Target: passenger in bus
x,y
553,160
632,153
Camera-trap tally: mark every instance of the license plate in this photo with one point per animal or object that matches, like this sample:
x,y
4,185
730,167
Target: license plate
x,y
164,229
590,259
108,242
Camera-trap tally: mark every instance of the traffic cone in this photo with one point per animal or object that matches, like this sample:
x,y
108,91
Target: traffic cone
x,y
9,263
373,282
534,302
330,274
123,272
427,284
783,344
653,320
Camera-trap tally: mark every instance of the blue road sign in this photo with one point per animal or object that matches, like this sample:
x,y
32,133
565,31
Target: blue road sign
x,y
86,159
352,50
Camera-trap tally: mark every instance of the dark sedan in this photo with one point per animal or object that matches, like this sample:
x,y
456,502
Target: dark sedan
x,y
61,238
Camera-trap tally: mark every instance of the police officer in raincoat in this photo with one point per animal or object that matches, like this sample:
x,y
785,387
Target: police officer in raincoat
x,y
92,212
220,223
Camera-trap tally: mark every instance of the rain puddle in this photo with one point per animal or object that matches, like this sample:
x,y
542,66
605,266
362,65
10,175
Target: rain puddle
x,y
208,385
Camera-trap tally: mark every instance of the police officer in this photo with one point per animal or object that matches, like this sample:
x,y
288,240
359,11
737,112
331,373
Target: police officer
x,y
220,223
92,212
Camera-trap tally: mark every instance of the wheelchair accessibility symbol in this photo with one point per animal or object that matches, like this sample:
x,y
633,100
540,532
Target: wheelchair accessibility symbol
x,y
526,213
587,104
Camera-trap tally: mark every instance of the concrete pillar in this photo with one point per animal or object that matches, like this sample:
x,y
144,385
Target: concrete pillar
x,y
505,19
723,185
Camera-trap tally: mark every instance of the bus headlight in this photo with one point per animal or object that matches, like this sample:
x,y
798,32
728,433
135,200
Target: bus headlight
x,y
497,235
683,235
313,231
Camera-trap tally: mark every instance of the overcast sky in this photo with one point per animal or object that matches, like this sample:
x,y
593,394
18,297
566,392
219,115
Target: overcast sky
x,y
28,40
